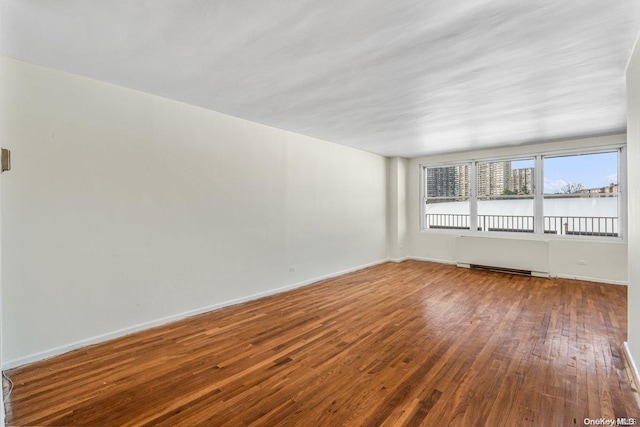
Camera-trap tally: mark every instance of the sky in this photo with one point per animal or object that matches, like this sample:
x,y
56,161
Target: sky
x,y
590,170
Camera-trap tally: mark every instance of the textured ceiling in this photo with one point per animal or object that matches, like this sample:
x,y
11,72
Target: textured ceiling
x,y
399,78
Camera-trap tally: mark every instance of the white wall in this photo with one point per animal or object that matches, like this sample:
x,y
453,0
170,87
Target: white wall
x,y
633,156
397,208
125,209
605,261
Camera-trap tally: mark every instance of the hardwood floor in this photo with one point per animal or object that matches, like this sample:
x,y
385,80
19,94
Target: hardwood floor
x,y
413,343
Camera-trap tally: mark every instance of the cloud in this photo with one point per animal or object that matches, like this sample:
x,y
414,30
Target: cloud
x,y
554,185
613,178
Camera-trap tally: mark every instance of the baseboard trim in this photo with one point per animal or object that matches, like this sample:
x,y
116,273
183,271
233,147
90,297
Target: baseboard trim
x,y
439,261
46,354
592,279
635,376
535,273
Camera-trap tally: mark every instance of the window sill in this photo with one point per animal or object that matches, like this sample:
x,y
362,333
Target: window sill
x,y
525,236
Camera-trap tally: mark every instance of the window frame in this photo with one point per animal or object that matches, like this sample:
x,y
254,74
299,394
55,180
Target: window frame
x,y
423,189
479,198
538,193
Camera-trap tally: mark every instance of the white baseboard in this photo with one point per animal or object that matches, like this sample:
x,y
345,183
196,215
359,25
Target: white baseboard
x,y
543,274
634,369
535,273
415,258
592,279
35,357
439,261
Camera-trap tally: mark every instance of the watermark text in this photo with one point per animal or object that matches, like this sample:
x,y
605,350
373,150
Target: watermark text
x,y
610,421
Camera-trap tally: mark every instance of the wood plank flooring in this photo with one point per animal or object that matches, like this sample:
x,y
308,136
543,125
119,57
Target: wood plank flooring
x,y
411,344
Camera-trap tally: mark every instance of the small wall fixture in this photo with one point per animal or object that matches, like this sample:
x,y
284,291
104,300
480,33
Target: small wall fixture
x,y
6,160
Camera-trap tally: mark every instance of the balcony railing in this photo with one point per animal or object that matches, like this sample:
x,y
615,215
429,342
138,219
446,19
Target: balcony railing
x,y
564,225
582,225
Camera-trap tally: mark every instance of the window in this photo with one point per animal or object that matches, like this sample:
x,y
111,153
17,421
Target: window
x,y
564,194
505,195
581,194
447,190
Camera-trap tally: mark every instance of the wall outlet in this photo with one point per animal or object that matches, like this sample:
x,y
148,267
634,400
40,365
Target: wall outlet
x,y
582,262
292,269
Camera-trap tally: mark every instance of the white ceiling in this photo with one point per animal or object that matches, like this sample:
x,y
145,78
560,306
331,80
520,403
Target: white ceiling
x,y
398,78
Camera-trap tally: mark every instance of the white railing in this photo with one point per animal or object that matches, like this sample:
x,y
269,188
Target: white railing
x,y
564,225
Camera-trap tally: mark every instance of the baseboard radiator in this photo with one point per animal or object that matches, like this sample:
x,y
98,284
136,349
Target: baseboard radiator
x,y
528,257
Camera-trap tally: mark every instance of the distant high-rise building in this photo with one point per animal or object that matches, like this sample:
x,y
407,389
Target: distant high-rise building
x,y
441,181
449,181
521,181
493,178
463,181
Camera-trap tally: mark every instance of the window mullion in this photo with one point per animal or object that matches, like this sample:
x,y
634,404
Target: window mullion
x,y
538,207
423,198
473,199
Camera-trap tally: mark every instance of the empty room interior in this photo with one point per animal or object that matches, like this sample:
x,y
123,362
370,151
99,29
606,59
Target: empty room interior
x,y
320,213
